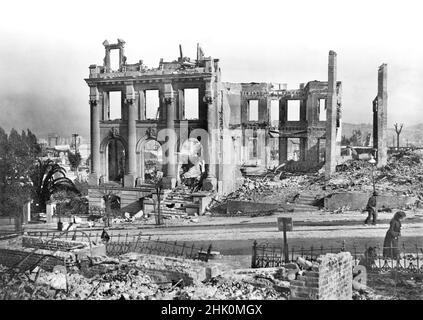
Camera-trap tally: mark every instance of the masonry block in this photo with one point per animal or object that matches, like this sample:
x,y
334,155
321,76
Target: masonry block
x,y
332,281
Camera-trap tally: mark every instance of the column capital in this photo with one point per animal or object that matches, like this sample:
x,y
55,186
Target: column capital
x,y
129,100
93,102
169,100
208,99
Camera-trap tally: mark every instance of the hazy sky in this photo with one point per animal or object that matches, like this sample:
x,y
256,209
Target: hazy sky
x,y
47,46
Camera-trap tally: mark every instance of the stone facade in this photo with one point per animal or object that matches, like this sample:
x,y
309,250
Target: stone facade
x,y
233,122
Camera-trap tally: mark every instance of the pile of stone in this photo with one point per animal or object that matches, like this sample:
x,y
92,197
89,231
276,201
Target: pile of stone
x,y
133,277
262,190
403,175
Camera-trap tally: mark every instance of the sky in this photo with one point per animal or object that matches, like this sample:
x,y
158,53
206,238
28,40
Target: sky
x,y
46,48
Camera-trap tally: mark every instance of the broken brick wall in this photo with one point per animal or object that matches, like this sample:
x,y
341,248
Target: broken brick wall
x,y
331,280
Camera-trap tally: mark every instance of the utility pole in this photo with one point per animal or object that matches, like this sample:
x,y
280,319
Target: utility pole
x,y
75,135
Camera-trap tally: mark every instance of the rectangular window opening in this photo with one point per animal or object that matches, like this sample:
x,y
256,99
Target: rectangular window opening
x,y
115,105
114,60
253,110
293,149
274,113
152,102
252,148
322,109
293,110
274,149
191,104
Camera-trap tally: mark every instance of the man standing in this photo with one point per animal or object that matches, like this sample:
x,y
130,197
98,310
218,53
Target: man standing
x,y
371,209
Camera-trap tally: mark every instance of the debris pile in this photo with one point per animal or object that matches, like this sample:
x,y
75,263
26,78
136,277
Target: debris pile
x,y
128,277
403,175
392,285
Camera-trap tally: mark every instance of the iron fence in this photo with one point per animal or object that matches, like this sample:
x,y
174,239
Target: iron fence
x,y
159,247
119,243
408,258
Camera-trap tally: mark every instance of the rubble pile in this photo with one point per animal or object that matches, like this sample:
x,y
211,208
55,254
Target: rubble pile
x,y
124,278
403,175
392,285
221,288
267,190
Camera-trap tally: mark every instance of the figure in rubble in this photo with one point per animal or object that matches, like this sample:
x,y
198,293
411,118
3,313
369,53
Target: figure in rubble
x,y
371,209
390,245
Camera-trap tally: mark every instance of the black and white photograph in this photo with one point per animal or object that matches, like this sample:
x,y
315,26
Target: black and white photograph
x,y
233,152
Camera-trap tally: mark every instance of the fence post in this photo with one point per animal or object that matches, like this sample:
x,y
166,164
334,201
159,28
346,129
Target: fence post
x,y
405,258
192,249
292,253
343,246
355,252
183,249
175,253
208,252
253,257
200,253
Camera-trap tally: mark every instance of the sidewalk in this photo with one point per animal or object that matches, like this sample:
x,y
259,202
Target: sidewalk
x,y
315,218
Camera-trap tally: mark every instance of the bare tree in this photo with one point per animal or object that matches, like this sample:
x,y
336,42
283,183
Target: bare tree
x,y
158,185
398,131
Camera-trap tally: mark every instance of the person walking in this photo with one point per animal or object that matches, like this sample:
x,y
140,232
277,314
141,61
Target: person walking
x,y
390,245
371,209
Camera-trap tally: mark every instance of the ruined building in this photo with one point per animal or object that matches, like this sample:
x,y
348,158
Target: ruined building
x,y
380,117
235,124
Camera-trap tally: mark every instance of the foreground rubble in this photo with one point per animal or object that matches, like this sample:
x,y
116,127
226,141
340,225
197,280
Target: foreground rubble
x,y
127,278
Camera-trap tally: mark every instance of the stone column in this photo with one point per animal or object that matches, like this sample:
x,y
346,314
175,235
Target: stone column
x,y
142,115
129,179
381,116
169,180
210,182
330,163
95,136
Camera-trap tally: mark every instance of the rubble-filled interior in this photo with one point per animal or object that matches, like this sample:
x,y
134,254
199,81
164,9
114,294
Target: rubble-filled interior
x,y
252,125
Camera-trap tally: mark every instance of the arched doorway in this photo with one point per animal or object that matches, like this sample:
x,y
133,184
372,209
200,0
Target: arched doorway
x,y
116,160
152,158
